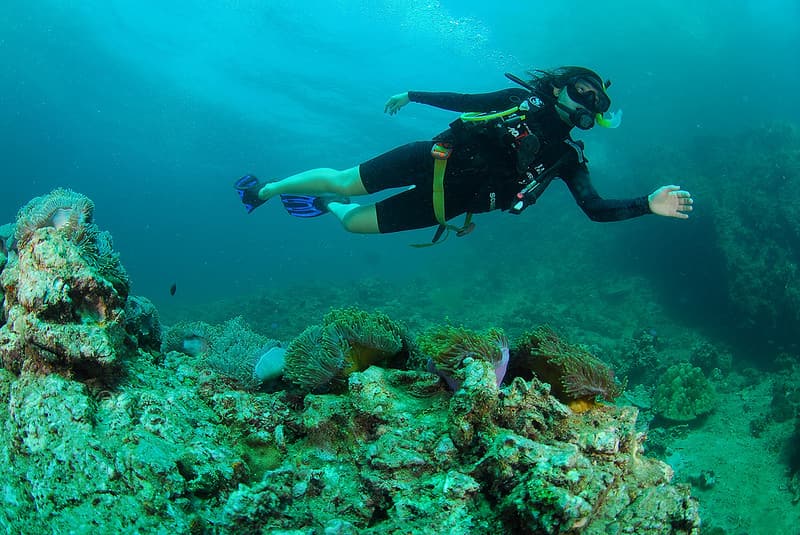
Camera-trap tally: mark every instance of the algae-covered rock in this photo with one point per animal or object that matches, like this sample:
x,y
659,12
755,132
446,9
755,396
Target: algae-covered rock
x,y
397,453
64,291
683,393
124,461
758,234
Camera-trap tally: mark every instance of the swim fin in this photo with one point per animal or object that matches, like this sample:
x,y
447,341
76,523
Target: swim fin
x,y
309,205
248,187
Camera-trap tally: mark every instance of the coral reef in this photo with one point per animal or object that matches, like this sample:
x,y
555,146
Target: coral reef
x,y
683,394
576,376
381,460
758,235
175,444
64,291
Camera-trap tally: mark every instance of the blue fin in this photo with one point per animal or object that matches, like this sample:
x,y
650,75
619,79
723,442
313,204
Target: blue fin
x,y
304,205
247,188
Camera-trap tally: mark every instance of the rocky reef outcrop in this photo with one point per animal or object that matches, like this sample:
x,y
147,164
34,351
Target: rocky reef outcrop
x,y
104,429
65,291
754,182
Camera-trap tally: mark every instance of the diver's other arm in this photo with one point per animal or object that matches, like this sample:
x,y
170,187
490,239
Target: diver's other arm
x,y
599,209
396,102
460,102
671,201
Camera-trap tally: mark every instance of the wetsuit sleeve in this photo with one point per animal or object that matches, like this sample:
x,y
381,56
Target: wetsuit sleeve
x,y
599,209
479,102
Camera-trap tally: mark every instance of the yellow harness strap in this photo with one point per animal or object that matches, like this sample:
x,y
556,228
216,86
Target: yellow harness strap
x,y
441,152
439,167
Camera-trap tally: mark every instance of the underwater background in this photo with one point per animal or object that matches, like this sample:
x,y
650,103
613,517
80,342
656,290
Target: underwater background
x,y
153,109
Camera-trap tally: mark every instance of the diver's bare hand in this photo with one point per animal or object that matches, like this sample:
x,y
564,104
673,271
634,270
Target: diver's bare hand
x,y
396,102
671,201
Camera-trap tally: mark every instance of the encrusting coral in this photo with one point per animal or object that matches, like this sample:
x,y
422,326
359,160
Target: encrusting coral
x,y
576,376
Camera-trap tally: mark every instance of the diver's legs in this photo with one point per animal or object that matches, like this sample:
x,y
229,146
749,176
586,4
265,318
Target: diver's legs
x,y
355,217
317,182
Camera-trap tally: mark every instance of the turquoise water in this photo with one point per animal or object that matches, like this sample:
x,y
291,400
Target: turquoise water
x,y
153,109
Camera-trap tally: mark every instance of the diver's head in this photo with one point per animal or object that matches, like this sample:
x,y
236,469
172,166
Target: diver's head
x,y
578,95
582,99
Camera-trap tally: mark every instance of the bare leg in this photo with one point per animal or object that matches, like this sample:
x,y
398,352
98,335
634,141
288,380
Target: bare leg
x,y
317,182
355,217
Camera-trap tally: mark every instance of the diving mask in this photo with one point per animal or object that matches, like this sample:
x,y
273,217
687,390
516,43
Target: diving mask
x,y
584,101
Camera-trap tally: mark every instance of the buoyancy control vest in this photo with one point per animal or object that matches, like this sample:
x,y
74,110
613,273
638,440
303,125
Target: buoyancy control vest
x,y
517,135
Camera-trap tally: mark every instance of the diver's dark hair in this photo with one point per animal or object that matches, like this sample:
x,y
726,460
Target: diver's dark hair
x,y
545,80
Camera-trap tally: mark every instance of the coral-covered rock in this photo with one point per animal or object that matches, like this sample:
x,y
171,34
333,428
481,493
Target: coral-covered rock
x,y
130,460
758,234
683,393
142,323
64,291
399,454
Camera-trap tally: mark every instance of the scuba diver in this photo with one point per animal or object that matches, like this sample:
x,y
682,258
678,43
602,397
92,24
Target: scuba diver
x,y
501,153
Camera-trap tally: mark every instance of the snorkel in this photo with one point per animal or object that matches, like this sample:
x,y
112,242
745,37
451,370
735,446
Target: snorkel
x,y
608,119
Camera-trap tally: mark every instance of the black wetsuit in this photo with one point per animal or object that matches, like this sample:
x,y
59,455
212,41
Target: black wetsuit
x,y
483,173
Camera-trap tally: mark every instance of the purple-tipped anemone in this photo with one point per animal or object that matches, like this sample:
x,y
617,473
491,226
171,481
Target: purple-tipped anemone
x,y
449,346
501,366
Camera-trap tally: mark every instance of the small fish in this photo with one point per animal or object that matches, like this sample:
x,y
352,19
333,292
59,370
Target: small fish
x,y
173,288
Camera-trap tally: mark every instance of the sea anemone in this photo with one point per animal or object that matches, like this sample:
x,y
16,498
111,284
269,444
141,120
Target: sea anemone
x,y
576,376
315,358
62,209
70,213
372,337
448,346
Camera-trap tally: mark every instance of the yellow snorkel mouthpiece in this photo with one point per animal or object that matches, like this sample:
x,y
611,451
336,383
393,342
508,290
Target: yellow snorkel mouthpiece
x,y
609,119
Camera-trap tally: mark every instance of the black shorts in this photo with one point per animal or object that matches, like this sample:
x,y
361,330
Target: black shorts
x,y
412,165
